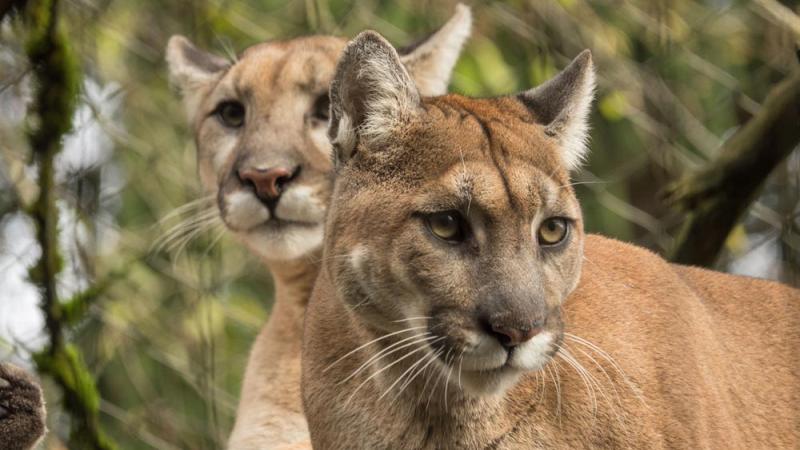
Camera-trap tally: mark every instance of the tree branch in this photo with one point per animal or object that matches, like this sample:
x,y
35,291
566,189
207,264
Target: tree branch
x,y
55,73
716,196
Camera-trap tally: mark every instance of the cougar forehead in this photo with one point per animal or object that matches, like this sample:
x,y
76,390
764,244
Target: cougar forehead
x,y
489,153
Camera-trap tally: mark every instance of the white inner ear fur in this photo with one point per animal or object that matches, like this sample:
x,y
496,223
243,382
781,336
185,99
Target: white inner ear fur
x,y
191,77
345,138
371,94
572,124
432,62
564,102
391,98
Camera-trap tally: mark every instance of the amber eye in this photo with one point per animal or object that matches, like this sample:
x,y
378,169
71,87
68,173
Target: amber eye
x,y
231,114
448,225
552,231
321,109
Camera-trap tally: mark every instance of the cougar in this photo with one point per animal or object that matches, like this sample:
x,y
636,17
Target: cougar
x,y
461,305
260,126
22,412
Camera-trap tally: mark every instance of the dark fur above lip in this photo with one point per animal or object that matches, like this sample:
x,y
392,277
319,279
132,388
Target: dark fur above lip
x,y
275,225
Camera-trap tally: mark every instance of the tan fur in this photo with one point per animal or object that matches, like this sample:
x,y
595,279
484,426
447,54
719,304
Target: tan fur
x,y
22,412
634,352
279,84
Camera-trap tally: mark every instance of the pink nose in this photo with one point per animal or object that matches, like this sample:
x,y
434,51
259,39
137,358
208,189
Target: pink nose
x,y
268,183
513,336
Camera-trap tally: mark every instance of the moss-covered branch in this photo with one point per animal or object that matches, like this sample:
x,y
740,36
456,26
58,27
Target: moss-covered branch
x,y
55,74
716,196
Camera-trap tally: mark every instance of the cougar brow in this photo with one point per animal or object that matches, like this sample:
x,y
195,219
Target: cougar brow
x,y
492,149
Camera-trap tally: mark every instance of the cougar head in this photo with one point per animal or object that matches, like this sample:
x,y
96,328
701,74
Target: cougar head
x,y
260,128
456,215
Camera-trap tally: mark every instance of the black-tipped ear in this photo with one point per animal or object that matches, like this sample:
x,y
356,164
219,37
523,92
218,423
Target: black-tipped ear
x,y
371,94
430,61
191,70
563,104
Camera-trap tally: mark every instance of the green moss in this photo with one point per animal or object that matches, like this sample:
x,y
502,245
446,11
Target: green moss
x,y
57,79
67,367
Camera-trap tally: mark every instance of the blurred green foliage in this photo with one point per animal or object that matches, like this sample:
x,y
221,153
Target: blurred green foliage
x,y
168,336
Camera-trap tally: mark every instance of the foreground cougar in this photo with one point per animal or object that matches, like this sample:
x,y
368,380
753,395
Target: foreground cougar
x,y
260,128
461,305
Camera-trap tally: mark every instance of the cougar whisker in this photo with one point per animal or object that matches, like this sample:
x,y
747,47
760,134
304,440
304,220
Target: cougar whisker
x,y
407,371
385,336
383,369
391,349
431,358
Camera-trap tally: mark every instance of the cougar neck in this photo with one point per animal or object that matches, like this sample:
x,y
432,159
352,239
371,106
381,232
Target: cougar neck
x,y
294,279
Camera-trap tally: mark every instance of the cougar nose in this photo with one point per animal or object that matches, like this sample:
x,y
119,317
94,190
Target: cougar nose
x,y
268,183
511,336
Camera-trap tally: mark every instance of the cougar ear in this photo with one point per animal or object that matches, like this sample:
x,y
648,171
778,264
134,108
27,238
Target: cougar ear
x,y
192,70
431,60
562,104
371,94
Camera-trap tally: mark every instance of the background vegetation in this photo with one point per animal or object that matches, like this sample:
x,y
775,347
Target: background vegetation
x,y
161,305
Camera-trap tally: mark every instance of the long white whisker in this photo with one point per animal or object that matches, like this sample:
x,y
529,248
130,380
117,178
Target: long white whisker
x,y
412,318
181,229
378,372
216,239
460,363
572,362
385,336
615,406
187,227
540,374
429,375
181,243
197,217
438,380
447,382
408,370
417,339
599,366
557,383
603,354
432,357
188,206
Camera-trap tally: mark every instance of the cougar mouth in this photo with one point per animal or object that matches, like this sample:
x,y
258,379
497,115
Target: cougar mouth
x,y
243,212
483,357
276,224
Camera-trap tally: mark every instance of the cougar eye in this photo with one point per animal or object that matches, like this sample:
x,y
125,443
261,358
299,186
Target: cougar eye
x,y
448,226
552,231
321,109
231,114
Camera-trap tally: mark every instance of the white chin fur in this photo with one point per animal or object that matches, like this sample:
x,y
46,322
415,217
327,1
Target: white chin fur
x,y
290,242
488,383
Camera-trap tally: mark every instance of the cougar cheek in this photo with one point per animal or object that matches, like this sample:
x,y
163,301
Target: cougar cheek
x,y
300,204
223,149
243,211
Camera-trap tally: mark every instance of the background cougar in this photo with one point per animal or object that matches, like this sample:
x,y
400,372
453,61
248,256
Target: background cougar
x,y
460,304
260,128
